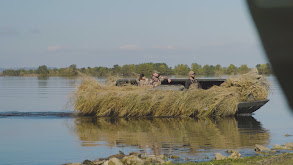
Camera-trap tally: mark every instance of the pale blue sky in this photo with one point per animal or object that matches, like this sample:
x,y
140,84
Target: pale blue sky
x,y
104,32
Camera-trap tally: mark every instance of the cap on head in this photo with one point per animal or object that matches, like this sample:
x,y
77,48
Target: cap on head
x,y
191,72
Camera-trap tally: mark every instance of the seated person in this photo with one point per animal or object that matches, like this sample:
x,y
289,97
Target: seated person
x,y
142,80
157,79
191,81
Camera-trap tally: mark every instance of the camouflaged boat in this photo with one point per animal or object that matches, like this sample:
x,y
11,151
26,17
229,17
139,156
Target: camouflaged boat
x,y
244,108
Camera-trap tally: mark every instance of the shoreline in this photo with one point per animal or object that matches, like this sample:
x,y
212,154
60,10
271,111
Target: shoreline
x,y
279,155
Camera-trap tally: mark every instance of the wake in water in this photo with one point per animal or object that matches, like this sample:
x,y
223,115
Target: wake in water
x,y
36,114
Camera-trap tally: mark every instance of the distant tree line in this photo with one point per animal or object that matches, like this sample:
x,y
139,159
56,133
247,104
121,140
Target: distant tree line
x,y
132,70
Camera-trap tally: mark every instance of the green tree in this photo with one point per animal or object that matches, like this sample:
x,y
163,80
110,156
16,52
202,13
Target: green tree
x,y
68,72
270,69
43,71
116,70
72,70
208,70
218,67
53,72
128,70
219,71
181,69
162,68
232,69
103,71
263,69
145,68
94,71
243,69
196,68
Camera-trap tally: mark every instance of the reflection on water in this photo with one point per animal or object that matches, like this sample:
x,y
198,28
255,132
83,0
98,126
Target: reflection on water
x,y
165,135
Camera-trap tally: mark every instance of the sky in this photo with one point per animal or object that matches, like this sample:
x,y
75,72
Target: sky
x,y
104,33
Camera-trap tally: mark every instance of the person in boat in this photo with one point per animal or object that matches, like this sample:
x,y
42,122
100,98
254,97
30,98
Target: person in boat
x,y
157,79
191,82
142,80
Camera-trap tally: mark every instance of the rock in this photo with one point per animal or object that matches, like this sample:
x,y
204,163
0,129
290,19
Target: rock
x,y
136,154
126,160
235,155
106,162
156,159
219,156
88,162
289,146
132,160
97,162
115,161
118,156
279,147
260,148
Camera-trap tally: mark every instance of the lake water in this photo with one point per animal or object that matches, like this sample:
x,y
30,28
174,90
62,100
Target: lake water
x,y
55,140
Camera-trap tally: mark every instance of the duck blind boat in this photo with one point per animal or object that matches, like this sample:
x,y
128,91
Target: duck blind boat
x,y
244,107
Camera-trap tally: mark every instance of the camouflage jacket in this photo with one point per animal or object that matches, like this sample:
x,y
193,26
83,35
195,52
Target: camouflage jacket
x,y
155,81
145,82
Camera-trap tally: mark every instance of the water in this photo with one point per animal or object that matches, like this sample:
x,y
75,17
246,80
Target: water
x,y
30,94
56,140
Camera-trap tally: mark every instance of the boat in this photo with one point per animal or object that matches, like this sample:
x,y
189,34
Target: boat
x,y
244,108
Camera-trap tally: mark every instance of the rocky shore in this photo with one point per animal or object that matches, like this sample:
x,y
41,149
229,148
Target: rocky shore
x,y
131,159
280,154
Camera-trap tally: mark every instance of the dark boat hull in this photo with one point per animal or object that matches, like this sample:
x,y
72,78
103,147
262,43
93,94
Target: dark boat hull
x,y
250,107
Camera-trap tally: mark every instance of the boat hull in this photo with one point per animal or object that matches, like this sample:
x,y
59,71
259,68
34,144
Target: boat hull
x,y
250,106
